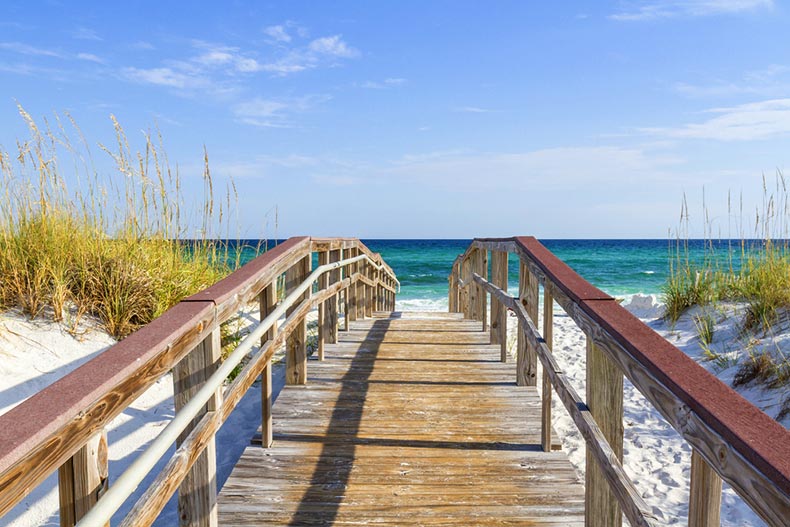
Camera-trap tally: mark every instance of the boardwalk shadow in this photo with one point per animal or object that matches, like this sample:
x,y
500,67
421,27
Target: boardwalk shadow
x,y
321,502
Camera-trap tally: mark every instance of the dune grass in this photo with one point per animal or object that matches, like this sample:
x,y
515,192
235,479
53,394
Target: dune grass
x,y
754,271
112,246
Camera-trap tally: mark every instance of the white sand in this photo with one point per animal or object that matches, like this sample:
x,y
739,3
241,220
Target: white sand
x,y
34,354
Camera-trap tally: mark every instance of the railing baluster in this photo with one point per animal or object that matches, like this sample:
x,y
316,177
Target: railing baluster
x,y
323,280
527,356
82,480
268,301
704,495
548,336
498,311
197,494
605,401
330,306
296,345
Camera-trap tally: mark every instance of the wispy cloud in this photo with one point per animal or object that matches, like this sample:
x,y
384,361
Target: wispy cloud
x,y
772,81
277,33
652,10
746,122
90,57
386,83
160,77
471,109
320,51
275,113
26,49
84,33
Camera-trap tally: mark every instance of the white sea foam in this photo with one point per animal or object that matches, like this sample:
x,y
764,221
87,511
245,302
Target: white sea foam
x,y
421,304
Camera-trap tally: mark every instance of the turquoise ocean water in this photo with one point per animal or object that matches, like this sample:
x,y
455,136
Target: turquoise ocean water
x,y
618,267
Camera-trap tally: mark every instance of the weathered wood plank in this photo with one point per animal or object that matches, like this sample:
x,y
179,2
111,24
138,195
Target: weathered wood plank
x,y
384,434
499,311
526,357
605,401
548,337
704,495
296,344
82,480
197,494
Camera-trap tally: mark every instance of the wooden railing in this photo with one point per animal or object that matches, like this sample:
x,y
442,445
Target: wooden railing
x,y
730,438
62,427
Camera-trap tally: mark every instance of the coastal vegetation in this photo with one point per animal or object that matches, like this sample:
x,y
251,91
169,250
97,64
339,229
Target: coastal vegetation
x,y
113,242
752,271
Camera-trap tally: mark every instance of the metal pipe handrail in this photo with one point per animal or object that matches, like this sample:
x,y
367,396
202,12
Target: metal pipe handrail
x,y
130,479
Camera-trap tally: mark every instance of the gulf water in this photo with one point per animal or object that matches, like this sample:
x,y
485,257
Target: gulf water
x,y
618,267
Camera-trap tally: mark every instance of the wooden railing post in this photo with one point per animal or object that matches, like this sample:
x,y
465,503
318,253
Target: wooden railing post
x,y
370,290
526,355
82,480
548,336
351,291
268,302
197,494
482,297
605,401
330,306
323,281
466,292
498,311
296,344
452,289
704,495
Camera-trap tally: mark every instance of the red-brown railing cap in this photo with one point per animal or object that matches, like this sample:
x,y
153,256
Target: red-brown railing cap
x,y
241,278
568,280
759,439
28,424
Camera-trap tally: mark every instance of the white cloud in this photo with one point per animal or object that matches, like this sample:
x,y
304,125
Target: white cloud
x,y
143,45
277,33
471,109
25,49
547,169
332,47
90,57
746,122
84,33
159,76
386,83
772,81
274,113
651,10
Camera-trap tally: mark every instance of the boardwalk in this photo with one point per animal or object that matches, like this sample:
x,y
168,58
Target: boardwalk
x,y
410,420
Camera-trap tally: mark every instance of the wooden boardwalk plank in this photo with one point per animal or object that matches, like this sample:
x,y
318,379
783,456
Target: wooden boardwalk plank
x,y
411,419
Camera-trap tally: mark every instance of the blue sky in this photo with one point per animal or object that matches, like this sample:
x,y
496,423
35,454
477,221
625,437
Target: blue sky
x,y
417,119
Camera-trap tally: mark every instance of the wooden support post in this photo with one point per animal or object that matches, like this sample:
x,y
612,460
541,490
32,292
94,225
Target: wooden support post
x,y
605,400
466,292
351,292
268,302
548,336
197,495
370,290
296,344
482,297
498,311
323,280
82,480
705,494
527,356
452,291
330,306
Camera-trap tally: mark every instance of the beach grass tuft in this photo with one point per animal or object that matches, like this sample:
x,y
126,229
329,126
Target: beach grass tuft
x,y
112,243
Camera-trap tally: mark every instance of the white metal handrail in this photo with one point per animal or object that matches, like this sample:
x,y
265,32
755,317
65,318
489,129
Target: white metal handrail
x,y
101,513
